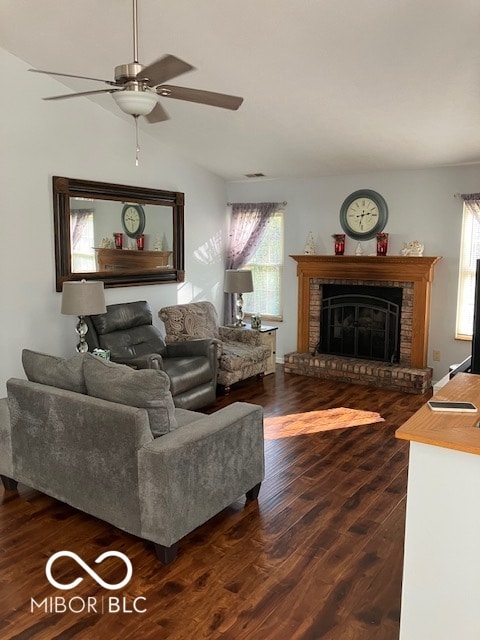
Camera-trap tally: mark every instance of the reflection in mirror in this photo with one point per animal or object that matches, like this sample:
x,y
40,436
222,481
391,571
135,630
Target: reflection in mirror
x,y
96,227
121,234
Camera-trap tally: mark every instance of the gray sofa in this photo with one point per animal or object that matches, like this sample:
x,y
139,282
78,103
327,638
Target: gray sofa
x,y
153,470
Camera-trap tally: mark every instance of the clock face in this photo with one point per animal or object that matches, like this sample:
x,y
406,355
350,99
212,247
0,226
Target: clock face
x,y
363,214
133,220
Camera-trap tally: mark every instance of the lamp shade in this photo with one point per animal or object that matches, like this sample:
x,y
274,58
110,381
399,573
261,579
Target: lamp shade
x,y
238,281
82,298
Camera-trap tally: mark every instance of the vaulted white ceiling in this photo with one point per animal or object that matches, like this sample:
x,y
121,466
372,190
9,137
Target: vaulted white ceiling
x,y
329,86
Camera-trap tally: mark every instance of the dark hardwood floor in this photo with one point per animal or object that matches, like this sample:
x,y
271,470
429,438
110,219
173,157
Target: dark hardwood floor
x,y
319,556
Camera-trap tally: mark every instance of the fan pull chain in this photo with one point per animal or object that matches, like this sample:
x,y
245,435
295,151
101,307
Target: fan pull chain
x,y
137,150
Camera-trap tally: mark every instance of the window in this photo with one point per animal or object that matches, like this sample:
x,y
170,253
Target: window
x,y
82,235
469,253
267,271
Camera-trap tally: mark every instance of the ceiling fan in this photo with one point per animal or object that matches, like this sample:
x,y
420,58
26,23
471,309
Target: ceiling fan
x,y
136,87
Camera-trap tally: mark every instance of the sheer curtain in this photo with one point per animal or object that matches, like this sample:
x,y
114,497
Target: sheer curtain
x,y
78,222
247,228
472,202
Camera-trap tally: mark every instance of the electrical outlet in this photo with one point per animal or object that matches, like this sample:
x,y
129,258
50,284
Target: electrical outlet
x,y
436,355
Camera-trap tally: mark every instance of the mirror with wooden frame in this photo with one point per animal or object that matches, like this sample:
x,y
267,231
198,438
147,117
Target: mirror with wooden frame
x,y
123,235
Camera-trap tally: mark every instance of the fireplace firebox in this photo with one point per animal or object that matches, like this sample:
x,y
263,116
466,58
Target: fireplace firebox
x,y
360,322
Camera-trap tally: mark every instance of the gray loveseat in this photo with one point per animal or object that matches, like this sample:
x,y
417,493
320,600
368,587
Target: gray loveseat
x,y
152,470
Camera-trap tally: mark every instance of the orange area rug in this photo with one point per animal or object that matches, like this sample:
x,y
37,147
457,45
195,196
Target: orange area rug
x,y
297,424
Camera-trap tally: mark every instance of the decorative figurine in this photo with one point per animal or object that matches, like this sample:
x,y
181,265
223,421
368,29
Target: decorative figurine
x,y
413,248
165,243
309,245
106,243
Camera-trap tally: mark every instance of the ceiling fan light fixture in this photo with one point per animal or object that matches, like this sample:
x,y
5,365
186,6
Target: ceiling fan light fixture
x,y
135,103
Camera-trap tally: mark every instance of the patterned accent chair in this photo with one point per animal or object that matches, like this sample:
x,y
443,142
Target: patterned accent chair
x,y
241,353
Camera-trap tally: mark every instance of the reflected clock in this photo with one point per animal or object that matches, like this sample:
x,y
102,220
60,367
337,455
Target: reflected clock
x,y
363,214
133,220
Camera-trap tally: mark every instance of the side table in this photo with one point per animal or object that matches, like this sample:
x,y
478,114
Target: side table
x,y
269,338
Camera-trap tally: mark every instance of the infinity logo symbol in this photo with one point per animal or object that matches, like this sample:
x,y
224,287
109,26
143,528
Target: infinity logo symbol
x,y
87,569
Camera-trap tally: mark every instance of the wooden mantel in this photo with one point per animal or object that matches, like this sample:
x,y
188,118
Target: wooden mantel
x,y
417,270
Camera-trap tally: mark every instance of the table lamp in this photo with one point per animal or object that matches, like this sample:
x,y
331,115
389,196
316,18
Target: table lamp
x,y
81,298
238,281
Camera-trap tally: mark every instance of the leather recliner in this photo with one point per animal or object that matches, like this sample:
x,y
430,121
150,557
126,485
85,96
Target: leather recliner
x,y
126,330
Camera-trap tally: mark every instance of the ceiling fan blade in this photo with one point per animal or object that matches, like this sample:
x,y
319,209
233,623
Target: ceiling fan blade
x,y
164,69
197,95
69,75
157,115
82,93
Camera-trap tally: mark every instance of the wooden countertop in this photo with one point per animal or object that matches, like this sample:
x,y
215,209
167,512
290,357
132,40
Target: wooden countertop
x,y
450,430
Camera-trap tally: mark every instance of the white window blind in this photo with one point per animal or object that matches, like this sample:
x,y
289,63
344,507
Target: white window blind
x,y
469,253
267,272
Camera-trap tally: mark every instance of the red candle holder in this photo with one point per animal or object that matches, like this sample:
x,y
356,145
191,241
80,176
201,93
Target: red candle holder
x,y
339,243
118,237
140,242
382,244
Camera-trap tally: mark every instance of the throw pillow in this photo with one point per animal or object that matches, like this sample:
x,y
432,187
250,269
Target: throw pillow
x,y
143,388
55,371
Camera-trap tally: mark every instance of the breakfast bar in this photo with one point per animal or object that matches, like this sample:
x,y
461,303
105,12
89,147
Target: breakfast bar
x,y
441,573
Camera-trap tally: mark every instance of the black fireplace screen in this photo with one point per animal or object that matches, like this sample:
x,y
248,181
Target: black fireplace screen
x,y
361,322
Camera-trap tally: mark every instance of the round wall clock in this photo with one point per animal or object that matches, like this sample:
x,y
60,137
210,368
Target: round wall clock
x,y
133,220
363,214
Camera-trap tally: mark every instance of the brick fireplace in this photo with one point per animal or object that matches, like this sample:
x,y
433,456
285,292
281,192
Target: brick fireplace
x,y
412,274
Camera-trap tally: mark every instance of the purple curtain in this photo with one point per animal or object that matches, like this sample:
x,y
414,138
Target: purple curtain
x,y
472,202
247,227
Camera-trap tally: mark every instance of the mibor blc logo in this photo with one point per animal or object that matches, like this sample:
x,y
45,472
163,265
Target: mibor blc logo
x,y
91,572
89,604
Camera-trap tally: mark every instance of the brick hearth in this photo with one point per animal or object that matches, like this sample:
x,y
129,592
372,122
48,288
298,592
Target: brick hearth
x,y
353,371
412,275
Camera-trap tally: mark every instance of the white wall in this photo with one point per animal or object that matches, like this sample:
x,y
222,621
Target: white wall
x,y
422,207
77,138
